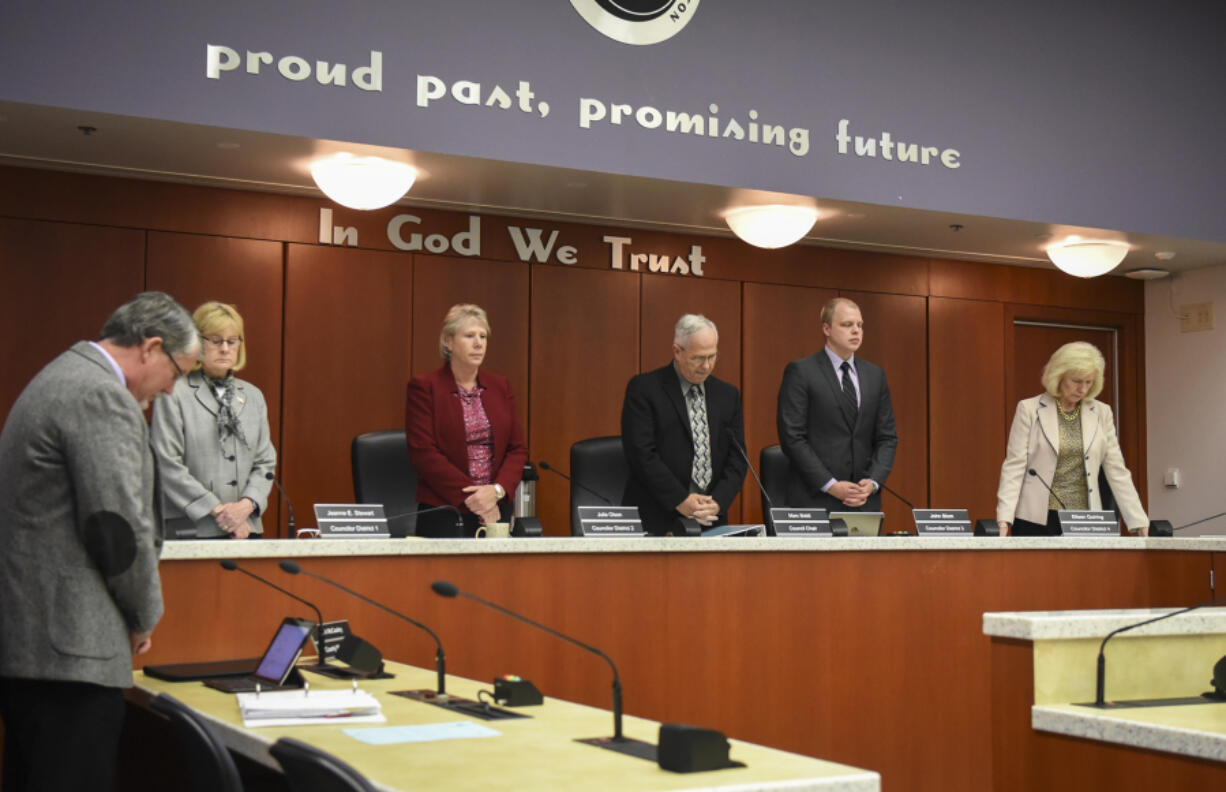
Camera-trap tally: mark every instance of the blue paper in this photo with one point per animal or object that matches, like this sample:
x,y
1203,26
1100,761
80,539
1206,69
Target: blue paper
x,y
428,732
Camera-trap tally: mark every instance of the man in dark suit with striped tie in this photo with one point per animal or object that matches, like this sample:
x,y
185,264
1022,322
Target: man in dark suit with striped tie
x,y
678,426
835,420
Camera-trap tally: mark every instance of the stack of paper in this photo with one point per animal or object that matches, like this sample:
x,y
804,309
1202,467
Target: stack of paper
x,y
293,707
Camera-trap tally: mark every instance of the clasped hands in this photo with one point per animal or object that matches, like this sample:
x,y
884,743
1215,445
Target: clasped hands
x,y
851,493
483,502
702,508
232,517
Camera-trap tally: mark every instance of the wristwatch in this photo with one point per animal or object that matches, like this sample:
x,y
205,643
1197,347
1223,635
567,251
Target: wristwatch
x,y
499,491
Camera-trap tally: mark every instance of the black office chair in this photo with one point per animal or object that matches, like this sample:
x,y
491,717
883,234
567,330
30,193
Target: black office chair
x,y
209,764
308,769
383,474
599,464
1107,496
774,467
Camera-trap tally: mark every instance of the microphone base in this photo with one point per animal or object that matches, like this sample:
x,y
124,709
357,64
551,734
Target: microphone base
x,y
527,527
460,705
987,528
624,745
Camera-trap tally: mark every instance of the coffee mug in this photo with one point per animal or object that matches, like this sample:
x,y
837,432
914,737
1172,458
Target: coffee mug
x,y
494,531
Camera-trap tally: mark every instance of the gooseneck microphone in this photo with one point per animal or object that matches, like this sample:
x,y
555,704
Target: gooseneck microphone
x,y
546,466
446,589
440,660
230,565
459,517
906,502
1100,679
289,506
1035,473
737,445
1198,522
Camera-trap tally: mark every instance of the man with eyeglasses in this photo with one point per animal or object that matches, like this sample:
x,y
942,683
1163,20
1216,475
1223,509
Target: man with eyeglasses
x,y
80,537
678,425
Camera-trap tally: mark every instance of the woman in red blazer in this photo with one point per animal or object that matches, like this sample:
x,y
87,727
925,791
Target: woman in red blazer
x,y
463,431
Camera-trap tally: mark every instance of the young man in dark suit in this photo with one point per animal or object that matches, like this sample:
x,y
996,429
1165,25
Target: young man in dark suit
x,y
678,427
835,420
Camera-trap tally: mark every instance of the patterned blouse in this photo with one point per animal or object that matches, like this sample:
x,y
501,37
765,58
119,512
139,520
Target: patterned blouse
x,y
480,437
1069,483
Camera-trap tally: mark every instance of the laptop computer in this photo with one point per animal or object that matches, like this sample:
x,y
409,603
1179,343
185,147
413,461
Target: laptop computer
x,y
860,523
276,667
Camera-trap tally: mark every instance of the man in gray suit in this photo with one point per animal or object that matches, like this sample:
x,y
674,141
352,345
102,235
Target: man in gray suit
x,y
835,420
79,544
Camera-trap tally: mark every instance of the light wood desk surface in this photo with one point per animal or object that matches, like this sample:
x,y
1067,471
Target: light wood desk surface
x,y
756,638
532,753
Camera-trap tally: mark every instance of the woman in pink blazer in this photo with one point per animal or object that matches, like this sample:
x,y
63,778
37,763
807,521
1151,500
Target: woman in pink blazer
x,y
463,431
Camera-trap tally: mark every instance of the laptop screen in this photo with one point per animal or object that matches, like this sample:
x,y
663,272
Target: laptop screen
x,y
283,652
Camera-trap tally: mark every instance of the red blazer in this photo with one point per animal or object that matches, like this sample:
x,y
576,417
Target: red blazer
x,y
438,446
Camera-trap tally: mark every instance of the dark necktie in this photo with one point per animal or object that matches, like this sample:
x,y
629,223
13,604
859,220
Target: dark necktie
x,y
849,388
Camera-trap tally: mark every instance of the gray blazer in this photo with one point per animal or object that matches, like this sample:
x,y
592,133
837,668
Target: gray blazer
x,y
198,471
79,531
824,439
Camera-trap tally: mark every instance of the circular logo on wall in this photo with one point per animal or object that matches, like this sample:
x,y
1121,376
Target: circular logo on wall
x,y
637,21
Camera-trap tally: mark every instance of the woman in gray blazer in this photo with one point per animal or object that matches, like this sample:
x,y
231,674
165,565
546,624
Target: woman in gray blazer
x,y
211,437
1065,436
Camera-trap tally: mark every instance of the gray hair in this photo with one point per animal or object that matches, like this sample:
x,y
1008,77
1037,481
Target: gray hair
x,y
152,314
456,317
690,324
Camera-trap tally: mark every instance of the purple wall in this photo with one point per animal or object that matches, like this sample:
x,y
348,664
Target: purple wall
x,y
1059,112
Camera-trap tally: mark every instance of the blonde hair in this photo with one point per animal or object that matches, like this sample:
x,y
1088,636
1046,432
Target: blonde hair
x,y
1078,357
213,318
456,317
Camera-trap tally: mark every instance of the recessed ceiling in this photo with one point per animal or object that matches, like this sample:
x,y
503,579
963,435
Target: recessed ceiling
x,y
98,143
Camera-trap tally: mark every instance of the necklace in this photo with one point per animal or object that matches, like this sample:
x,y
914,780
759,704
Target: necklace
x,y
1069,415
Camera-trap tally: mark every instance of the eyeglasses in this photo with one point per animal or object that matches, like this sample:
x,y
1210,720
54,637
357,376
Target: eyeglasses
x,y
308,533
178,371
219,342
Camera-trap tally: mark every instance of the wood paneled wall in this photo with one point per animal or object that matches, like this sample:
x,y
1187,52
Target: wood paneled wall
x,y
335,332
347,352
59,283
585,347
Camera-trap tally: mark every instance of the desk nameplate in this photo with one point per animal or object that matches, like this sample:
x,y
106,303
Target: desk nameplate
x,y
610,521
801,522
1087,522
351,521
942,522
